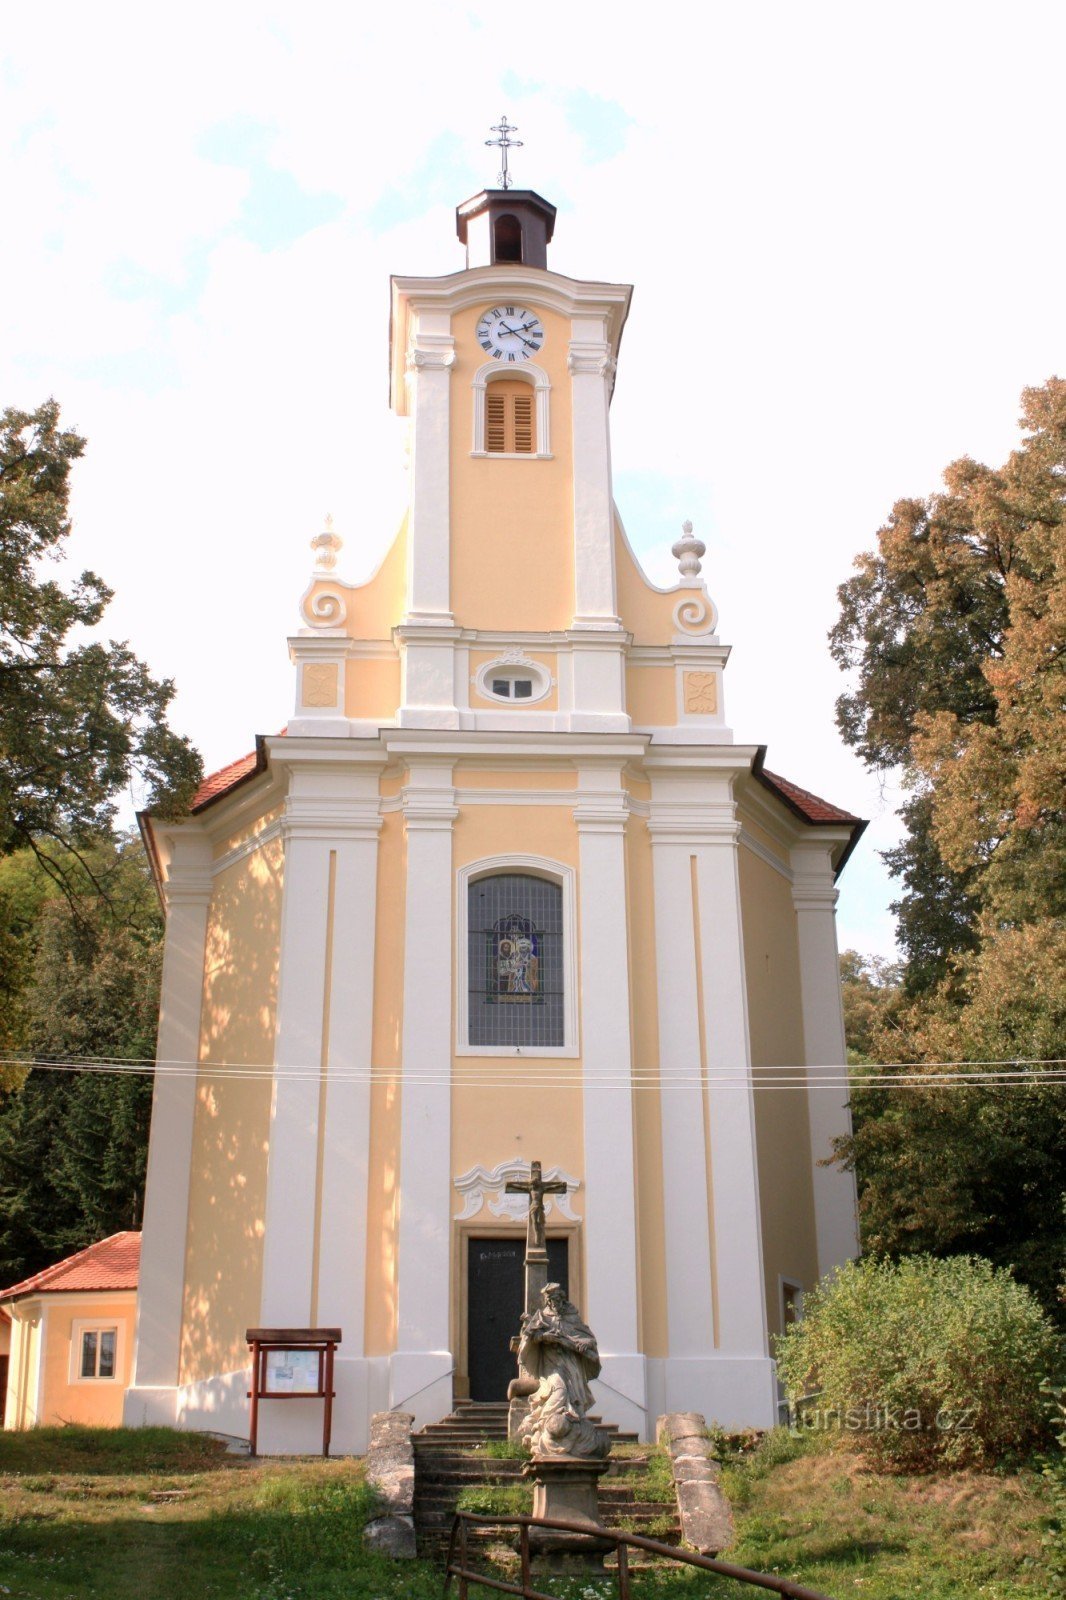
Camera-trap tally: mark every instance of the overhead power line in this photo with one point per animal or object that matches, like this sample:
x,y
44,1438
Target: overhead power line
x,y
1007,1073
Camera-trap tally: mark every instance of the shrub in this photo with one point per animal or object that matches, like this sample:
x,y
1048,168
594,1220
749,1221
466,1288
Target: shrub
x,y
922,1362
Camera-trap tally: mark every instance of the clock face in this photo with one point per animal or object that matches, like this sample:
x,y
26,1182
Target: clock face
x,y
510,333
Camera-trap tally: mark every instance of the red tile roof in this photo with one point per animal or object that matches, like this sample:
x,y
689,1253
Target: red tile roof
x,y
109,1264
216,784
807,805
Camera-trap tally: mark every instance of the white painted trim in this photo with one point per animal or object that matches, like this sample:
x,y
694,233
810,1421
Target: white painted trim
x,y
513,663
247,847
760,850
828,1110
610,1227
429,359
82,1325
161,1279
413,298
481,1185
537,867
539,382
422,1360
514,797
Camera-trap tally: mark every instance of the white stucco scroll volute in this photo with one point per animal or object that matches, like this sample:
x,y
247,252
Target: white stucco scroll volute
x,y
480,1186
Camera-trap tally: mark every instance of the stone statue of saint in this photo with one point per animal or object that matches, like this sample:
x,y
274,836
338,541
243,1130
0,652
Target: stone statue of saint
x,y
559,1351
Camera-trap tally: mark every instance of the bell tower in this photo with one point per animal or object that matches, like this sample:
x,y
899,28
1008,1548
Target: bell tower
x,y
506,227
505,372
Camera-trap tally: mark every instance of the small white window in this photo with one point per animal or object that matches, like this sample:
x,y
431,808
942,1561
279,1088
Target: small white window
x,y
512,688
511,415
95,1352
513,677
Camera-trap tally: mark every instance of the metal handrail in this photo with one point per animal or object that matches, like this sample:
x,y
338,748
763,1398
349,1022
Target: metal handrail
x,y
621,1542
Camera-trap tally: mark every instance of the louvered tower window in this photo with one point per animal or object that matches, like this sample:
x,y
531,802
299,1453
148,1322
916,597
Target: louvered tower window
x,y
510,428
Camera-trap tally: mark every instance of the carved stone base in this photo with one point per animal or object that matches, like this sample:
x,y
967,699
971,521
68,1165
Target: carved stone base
x,y
568,1489
517,1412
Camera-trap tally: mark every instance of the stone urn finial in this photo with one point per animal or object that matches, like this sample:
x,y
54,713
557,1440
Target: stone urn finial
x,y
327,547
688,550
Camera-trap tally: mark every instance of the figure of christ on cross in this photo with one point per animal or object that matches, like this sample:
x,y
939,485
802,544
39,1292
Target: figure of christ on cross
x,y
536,1189
536,1274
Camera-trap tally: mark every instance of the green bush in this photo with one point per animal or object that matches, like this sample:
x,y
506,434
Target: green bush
x,y
922,1362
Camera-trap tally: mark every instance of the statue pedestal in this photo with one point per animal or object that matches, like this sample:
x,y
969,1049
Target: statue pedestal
x,y
517,1412
568,1488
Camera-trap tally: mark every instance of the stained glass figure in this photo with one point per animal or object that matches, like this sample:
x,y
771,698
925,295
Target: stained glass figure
x,y
515,962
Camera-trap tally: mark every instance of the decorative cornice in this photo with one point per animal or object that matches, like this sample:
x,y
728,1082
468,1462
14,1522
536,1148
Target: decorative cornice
x,y
428,808
757,848
590,356
435,352
480,1185
247,847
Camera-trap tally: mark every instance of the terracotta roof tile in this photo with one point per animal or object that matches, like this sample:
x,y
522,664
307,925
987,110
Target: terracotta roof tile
x,y
218,783
110,1264
808,805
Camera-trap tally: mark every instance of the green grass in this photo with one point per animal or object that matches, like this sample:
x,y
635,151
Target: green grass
x,y
503,1450
496,1499
152,1515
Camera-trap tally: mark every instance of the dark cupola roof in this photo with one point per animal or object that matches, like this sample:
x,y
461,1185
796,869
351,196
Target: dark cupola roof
x,y
504,227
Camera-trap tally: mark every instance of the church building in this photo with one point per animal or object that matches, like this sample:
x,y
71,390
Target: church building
x,y
505,889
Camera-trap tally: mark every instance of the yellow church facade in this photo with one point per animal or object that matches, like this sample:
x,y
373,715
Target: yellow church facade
x,y
505,889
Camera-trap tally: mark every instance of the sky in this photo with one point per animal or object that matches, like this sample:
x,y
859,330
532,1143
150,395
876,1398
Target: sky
x,y
843,223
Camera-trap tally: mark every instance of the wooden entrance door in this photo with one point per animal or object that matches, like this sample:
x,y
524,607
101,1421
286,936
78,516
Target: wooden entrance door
x,y
495,1288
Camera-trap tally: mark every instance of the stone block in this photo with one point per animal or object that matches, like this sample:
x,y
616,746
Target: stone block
x,y
680,1425
392,1536
390,1472
706,1518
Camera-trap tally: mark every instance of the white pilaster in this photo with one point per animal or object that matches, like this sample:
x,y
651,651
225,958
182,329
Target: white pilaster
x,y
429,363
719,1359
814,897
152,1396
591,366
314,1256
420,1378
610,1230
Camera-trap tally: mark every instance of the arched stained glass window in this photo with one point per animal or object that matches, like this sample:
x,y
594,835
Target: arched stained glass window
x,y
515,961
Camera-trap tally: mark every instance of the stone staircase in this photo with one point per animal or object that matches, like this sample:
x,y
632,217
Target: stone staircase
x,y
450,1457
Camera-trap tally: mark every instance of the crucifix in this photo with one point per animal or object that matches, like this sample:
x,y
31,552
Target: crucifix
x,y
536,1241
503,128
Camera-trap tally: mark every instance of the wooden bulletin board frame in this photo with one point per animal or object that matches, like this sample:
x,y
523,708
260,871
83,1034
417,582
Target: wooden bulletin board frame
x,y
321,1342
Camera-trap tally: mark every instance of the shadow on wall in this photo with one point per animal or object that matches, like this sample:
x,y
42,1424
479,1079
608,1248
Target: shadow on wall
x,y
227,1202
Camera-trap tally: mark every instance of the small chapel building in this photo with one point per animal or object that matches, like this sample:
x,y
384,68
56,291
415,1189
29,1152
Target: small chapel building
x,y
504,889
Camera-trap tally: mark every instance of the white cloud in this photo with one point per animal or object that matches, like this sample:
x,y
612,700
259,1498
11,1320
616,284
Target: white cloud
x,y
840,223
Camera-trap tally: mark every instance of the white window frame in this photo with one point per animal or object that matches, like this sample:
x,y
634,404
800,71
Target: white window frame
x,y
510,667
538,379
83,1325
534,867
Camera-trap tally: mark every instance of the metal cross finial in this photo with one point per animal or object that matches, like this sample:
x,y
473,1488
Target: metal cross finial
x,y
503,128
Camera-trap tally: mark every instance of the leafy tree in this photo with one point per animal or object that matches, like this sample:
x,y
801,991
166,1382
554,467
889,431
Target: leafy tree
x,y
73,1144
870,986
78,720
955,631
